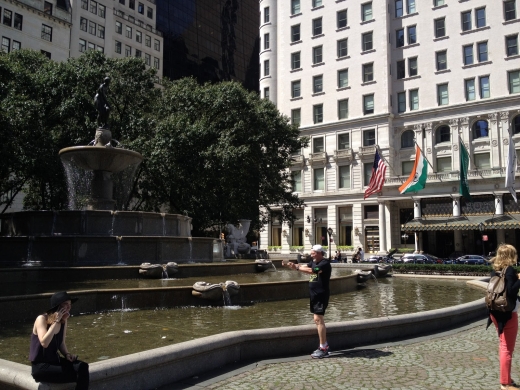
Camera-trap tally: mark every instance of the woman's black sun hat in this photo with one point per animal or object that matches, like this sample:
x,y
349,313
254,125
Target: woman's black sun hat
x,y
58,298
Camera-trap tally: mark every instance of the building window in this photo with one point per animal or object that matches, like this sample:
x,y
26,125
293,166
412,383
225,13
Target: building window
x,y
342,48
266,15
400,71
509,10
316,3
8,17
469,88
341,19
148,40
407,167
47,8
441,60
317,54
266,93
318,145
410,6
46,54
295,33
343,109
101,32
138,36
318,113
266,68
516,124
101,11
128,51
316,27
84,4
92,28
317,84
368,104
512,45
480,129
129,32
119,27
18,21
16,46
147,59
367,174
414,99
157,45
442,94
344,141
399,8
319,179
93,7
368,72
468,54
100,49
466,20
344,176
408,139
443,134
480,17
483,82
366,12
412,35
140,8
401,102
514,81
482,48
342,78
46,33
369,137
367,41
122,2
482,160
91,46
443,164
266,41
296,89
438,3
156,62
413,69
138,53
149,12
118,47
399,38
296,116
295,60
440,27
83,45
295,7
6,44
297,181
131,4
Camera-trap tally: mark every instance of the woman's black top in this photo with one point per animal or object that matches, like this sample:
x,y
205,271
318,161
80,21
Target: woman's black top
x,y
512,285
38,354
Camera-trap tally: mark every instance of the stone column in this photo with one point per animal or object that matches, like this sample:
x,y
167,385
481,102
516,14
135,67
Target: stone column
x,y
499,210
457,234
456,207
382,228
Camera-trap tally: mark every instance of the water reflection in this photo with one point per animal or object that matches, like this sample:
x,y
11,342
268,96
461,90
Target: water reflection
x,y
128,330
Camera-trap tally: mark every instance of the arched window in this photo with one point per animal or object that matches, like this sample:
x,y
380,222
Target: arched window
x,y
442,134
480,129
407,139
516,124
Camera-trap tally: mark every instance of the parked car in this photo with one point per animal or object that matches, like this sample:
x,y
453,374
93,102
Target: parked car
x,y
472,260
420,259
374,259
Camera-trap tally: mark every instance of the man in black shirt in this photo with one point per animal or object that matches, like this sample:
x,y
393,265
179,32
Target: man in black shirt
x,y
319,270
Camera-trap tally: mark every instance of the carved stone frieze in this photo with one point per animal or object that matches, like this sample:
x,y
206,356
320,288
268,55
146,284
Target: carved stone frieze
x,y
493,116
494,143
454,122
464,121
504,115
505,141
429,150
455,147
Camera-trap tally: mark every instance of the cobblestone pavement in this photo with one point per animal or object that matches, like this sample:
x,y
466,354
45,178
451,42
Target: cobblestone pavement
x,y
465,358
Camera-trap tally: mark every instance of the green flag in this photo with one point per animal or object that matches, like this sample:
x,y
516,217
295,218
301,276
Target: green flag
x,y
463,175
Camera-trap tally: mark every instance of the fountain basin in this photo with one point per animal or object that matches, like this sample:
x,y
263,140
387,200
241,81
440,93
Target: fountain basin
x,y
100,158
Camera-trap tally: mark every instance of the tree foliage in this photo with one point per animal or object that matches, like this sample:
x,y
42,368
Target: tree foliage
x,y
214,151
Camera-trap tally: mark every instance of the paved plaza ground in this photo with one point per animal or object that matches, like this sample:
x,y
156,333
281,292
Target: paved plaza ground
x,y
463,358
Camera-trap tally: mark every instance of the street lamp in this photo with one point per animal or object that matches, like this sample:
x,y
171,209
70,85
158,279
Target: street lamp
x,y
481,228
330,231
405,238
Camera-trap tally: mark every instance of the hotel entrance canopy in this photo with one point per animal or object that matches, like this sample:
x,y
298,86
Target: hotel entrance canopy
x,y
509,221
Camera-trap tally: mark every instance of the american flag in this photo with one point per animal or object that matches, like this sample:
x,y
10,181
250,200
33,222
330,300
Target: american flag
x,y
378,176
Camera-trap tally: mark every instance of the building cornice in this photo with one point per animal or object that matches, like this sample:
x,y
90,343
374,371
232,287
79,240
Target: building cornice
x,y
40,12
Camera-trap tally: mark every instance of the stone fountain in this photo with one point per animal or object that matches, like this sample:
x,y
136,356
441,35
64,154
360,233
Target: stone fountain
x,y
97,234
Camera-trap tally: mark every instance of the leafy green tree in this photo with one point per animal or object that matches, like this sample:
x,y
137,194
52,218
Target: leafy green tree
x,y
219,153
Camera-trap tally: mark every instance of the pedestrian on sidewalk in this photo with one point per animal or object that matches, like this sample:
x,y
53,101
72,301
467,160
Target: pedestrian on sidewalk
x,y
319,270
506,322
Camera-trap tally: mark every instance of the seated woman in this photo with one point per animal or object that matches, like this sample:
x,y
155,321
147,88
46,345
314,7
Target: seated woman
x,y
48,339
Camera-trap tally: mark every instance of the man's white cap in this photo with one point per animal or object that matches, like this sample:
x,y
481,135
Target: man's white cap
x,y
317,248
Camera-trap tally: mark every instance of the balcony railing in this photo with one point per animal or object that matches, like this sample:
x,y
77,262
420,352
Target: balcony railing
x,y
137,22
297,160
316,158
343,155
367,150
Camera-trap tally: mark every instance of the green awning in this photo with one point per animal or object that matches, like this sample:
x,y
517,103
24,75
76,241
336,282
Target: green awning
x,y
509,221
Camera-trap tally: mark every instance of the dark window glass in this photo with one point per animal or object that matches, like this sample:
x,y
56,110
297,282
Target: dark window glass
x,y
18,21
480,129
401,69
399,38
443,134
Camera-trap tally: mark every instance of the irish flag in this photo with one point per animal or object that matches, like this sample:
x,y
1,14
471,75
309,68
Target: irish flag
x,y
417,179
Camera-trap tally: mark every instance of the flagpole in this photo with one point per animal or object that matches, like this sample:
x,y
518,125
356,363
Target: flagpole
x,y
428,161
384,159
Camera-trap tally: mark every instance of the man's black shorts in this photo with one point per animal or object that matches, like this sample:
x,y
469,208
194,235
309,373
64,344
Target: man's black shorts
x,y
319,303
